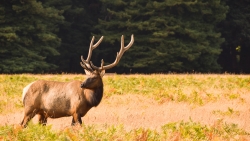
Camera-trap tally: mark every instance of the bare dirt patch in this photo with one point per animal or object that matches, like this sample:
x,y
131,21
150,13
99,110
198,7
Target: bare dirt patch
x,y
134,111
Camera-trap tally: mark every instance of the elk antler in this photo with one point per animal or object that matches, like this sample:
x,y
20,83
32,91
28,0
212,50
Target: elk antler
x,y
118,57
85,63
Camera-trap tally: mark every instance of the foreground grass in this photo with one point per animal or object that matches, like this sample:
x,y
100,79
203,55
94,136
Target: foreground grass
x,y
196,90
172,131
193,89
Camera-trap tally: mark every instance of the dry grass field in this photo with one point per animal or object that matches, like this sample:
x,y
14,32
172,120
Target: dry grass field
x,y
141,107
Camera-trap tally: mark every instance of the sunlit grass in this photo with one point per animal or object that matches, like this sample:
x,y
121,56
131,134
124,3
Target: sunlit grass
x,y
171,131
196,89
228,112
193,89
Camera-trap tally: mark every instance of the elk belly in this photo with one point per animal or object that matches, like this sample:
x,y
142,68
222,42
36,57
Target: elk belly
x,y
57,105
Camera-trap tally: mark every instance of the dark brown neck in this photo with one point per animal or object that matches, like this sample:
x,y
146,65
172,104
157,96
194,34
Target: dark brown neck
x,y
96,97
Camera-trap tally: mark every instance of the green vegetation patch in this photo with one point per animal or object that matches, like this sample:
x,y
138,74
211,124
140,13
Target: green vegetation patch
x,y
171,131
193,89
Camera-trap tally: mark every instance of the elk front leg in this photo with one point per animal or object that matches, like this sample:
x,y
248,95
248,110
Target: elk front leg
x,y
76,119
42,119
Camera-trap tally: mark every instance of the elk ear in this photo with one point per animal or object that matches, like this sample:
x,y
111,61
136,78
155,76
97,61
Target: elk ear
x,y
87,72
102,73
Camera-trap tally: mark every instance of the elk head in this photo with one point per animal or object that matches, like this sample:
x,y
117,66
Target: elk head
x,y
95,74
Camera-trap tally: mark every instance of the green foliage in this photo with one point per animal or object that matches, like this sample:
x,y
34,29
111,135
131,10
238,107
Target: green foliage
x,y
169,35
182,36
80,17
228,112
28,36
177,130
32,132
236,30
196,131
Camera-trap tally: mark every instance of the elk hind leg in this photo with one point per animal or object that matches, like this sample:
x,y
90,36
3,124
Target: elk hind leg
x,y
28,115
76,120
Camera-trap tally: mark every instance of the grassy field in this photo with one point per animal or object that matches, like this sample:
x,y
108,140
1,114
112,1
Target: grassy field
x,y
193,89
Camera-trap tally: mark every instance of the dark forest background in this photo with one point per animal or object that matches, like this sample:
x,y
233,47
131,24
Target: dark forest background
x,y
182,36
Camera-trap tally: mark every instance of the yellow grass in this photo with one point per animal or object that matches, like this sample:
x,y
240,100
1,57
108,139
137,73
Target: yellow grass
x,y
196,89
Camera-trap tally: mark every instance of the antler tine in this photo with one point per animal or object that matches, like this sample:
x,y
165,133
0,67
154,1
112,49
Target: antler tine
x,y
97,43
118,56
130,43
91,48
86,66
123,49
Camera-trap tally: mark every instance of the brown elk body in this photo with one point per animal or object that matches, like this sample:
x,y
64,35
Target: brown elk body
x,y
51,99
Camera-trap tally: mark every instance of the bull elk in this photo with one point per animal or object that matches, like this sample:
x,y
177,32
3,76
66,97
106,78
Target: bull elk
x,y
50,99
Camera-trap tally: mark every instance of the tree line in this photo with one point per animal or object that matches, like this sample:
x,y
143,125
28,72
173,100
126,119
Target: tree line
x,y
49,36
